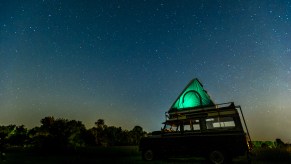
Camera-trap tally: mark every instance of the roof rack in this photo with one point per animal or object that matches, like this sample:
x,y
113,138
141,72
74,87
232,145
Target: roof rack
x,y
203,109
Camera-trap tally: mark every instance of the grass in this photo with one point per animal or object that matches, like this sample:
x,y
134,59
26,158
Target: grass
x,y
89,155
273,154
129,154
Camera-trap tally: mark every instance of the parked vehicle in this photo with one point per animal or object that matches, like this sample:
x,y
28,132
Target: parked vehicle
x,y
212,131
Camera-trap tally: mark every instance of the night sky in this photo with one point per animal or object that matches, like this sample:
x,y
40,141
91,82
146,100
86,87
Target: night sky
x,y
127,61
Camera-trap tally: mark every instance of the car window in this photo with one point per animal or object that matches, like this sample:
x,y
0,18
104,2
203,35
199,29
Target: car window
x,y
187,127
168,128
196,124
192,125
219,122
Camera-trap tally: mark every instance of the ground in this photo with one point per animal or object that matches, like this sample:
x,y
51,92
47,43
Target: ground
x,y
125,154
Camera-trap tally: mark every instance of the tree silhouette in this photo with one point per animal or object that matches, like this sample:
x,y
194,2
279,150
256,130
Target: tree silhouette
x,y
18,136
137,133
100,131
75,130
60,134
90,137
113,135
100,123
5,133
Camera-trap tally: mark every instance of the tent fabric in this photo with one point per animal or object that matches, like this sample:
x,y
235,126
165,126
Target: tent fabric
x,y
192,96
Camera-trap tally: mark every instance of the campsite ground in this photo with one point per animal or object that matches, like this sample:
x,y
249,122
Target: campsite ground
x,y
127,154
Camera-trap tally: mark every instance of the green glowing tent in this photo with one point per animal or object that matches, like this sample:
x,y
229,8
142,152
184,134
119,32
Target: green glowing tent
x,y
193,96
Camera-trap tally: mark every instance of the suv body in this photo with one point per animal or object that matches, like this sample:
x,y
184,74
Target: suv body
x,y
196,126
214,132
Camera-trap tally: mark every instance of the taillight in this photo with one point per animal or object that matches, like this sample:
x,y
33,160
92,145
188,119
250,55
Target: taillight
x,y
250,145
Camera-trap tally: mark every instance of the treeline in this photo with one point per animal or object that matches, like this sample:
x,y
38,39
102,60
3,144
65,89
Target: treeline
x,y
62,134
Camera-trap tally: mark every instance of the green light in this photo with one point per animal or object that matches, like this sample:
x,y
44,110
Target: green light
x,y
193,96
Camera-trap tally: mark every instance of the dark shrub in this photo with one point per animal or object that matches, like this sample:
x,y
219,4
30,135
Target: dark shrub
x,y
273,155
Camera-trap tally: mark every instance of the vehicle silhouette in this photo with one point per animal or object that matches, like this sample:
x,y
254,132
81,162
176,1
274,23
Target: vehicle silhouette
x,y
214,131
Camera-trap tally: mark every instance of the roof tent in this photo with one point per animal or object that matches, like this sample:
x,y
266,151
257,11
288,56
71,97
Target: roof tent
x,y
193,96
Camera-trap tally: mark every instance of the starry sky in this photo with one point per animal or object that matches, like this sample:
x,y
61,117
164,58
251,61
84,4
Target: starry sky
x,y
127,61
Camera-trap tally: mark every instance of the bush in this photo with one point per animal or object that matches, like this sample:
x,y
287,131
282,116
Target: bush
x,y
263,144
273,154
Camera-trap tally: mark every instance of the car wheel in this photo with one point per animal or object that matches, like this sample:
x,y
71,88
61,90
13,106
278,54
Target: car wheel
x,y
148,155
217,157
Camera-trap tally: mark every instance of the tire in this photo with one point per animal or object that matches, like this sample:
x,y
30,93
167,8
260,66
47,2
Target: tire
x,y
148,155
217,157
